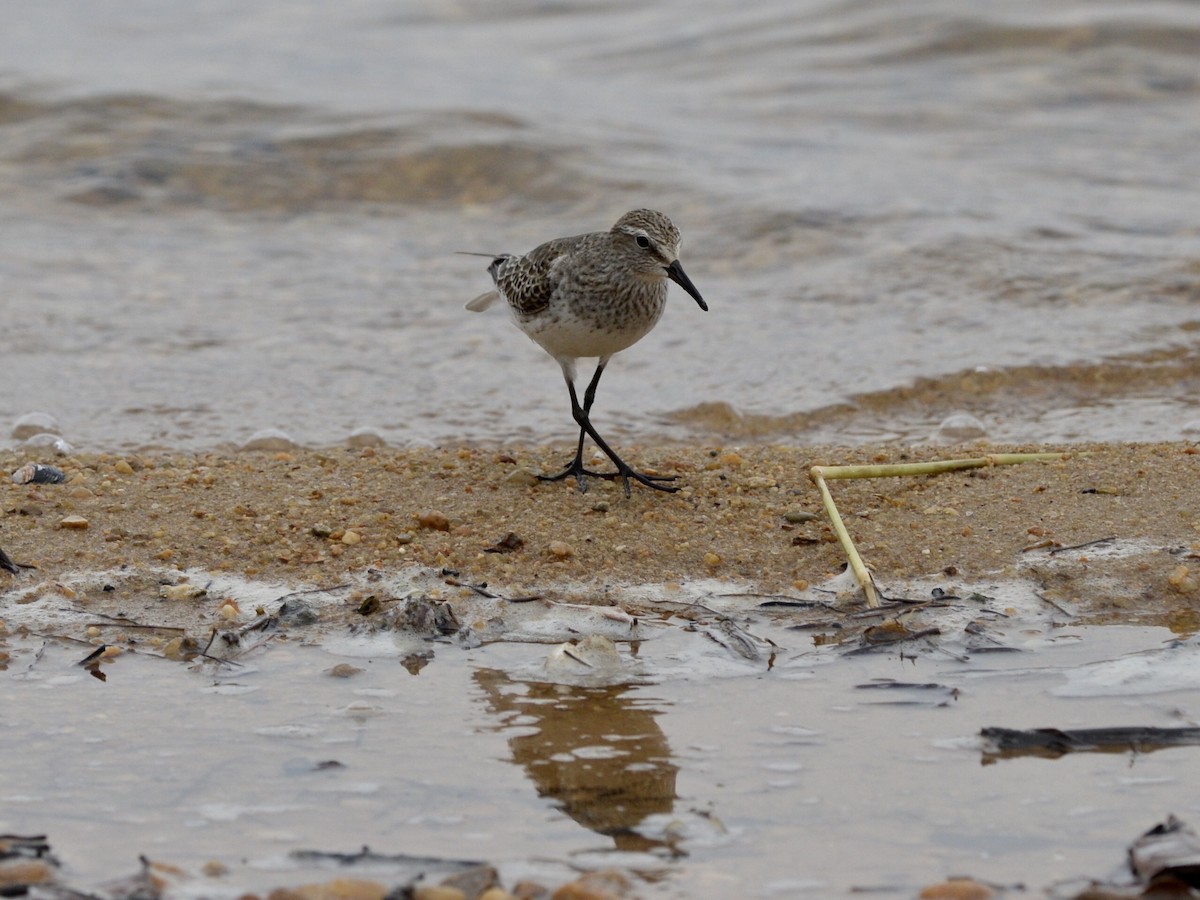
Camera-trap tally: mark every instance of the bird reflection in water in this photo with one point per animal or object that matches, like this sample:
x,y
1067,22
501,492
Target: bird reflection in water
x,y
598,753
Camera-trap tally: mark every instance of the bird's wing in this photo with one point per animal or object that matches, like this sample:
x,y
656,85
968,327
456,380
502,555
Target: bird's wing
x,y
528,282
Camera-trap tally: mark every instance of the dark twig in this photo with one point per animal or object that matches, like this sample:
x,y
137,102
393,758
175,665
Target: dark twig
x,y
1103,540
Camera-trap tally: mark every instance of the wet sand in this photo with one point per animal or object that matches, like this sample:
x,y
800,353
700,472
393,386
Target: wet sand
x,y
314,518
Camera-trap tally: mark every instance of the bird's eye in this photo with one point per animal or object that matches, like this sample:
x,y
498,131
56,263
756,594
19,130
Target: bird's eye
x,y
643,241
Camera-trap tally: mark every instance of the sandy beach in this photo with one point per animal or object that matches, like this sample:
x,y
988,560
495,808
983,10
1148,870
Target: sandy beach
x,y
747,516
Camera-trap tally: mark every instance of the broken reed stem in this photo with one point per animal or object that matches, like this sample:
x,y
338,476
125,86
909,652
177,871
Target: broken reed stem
x,y
817,473
896,470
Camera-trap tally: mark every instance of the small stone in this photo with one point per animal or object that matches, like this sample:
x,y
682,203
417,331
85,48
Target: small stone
x,y
351,537
1183,580
755,482
339,889
522,478
34,423
604,885
473,881
299,612
799,516
434,520
530,890
404,537
343,670
184,591
123,468
229,610
507,544
561,549
320,530
78,523
957,889
712,560
496,893
15,874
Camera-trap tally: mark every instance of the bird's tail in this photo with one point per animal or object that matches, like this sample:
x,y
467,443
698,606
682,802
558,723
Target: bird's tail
x,y
483,301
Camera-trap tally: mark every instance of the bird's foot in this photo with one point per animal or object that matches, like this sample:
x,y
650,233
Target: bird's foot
x,y
580,472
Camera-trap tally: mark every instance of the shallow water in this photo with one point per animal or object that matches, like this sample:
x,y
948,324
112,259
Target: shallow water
x,y
220,220
705,775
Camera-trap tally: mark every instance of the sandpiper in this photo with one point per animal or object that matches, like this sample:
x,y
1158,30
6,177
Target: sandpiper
x,y
593,295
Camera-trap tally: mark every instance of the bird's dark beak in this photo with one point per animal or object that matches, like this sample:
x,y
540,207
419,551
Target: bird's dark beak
x,y
676,274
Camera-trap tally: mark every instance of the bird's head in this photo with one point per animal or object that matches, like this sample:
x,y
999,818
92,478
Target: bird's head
x,y
652,244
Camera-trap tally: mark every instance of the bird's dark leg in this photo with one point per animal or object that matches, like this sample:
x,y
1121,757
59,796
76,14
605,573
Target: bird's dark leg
x,y
576,467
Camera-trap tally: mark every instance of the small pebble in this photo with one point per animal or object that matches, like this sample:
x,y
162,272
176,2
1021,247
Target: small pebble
x,y
758,481
957,889
434,520
351,537
16,874
522,478
183,591
76,522
1183,580
320,530
123,467
339,889
799,516
343,670
602,885
711,559
561,549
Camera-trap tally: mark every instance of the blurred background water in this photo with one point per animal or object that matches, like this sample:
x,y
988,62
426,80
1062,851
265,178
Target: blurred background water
x,y
219,217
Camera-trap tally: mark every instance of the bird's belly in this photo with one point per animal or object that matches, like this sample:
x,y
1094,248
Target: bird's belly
x,y
575,338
